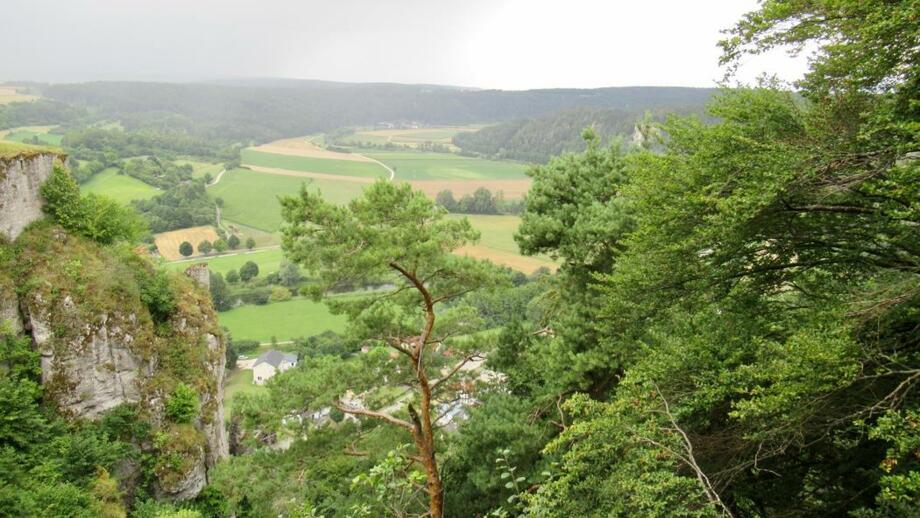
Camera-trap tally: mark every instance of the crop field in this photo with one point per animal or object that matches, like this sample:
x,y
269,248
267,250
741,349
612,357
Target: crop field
x,y
313,165
251,198
295,318
168,242
411,165
409,137
302,146
8,94
268,260
122,188
497,243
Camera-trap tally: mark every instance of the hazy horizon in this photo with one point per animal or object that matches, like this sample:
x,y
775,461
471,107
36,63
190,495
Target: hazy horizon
x,y
502,44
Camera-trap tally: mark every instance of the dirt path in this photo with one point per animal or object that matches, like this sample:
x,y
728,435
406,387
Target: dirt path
x,y
392,172
219,176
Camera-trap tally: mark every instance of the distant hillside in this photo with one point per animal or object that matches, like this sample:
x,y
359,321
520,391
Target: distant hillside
x,y
263,110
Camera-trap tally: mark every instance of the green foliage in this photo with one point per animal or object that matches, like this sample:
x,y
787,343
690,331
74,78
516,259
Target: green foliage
x,y
248,271
280,294
204,247
99,218
156,292
183,205
233,241
182,406
233,277
186,249
250,243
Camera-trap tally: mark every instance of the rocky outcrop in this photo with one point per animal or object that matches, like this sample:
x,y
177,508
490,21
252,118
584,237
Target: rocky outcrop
x,y
21,178
111,331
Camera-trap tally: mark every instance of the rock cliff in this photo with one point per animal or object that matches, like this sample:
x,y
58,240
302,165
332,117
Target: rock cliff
x,y
111,331
21,177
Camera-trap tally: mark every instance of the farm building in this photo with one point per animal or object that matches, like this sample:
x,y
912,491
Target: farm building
x,y
270,363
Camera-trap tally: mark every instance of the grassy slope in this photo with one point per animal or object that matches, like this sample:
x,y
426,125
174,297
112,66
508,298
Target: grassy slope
x,y
251,198
239,382
48,139
284,320
121,187
201,168
268,260
313,165
443,166
14,149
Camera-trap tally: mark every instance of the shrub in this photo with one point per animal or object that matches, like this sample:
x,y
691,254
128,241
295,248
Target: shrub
x,y
257,296
233,277
186,249
220,245
248,271
233,242
250,243
156,293
280,294
182,405
97,217
204,247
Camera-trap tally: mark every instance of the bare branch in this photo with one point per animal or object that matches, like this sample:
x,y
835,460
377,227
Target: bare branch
x,y
453,371
376,415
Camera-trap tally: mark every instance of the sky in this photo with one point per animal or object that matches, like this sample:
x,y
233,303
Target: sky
x,y
506,44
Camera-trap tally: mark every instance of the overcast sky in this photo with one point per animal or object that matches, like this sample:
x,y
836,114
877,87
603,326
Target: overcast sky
x,y
509,44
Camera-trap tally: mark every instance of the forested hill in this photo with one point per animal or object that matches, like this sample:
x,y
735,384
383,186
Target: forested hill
x,y
538,139
266,110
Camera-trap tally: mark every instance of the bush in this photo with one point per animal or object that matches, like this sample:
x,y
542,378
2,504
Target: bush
x,y
233,277
250,243
186,249
280,294
233,242
204,247
258,296
157,295
220,246
248,271
182,405
97,217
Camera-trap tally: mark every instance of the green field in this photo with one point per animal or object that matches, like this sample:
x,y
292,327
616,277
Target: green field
x,y
251,198
268,260
239,382
121,187
295,318
46,139
411,165
313,165
201,168
497,231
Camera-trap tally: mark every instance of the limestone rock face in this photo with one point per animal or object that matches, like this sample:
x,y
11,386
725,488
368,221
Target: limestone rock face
x,y
20,191
103,340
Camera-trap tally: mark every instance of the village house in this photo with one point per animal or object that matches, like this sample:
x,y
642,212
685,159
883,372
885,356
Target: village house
x,y
270,363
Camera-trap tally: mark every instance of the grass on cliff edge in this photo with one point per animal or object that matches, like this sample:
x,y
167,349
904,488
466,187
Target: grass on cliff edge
x,y
14,149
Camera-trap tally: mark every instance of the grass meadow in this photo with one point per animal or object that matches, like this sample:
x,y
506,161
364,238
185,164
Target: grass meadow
x,y
296,318
26,136
120,187
251,198
268,260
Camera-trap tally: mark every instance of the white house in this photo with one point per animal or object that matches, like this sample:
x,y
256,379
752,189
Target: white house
x,y
270,363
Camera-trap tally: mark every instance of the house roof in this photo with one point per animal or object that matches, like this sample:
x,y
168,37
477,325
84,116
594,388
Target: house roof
x,y
274,358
